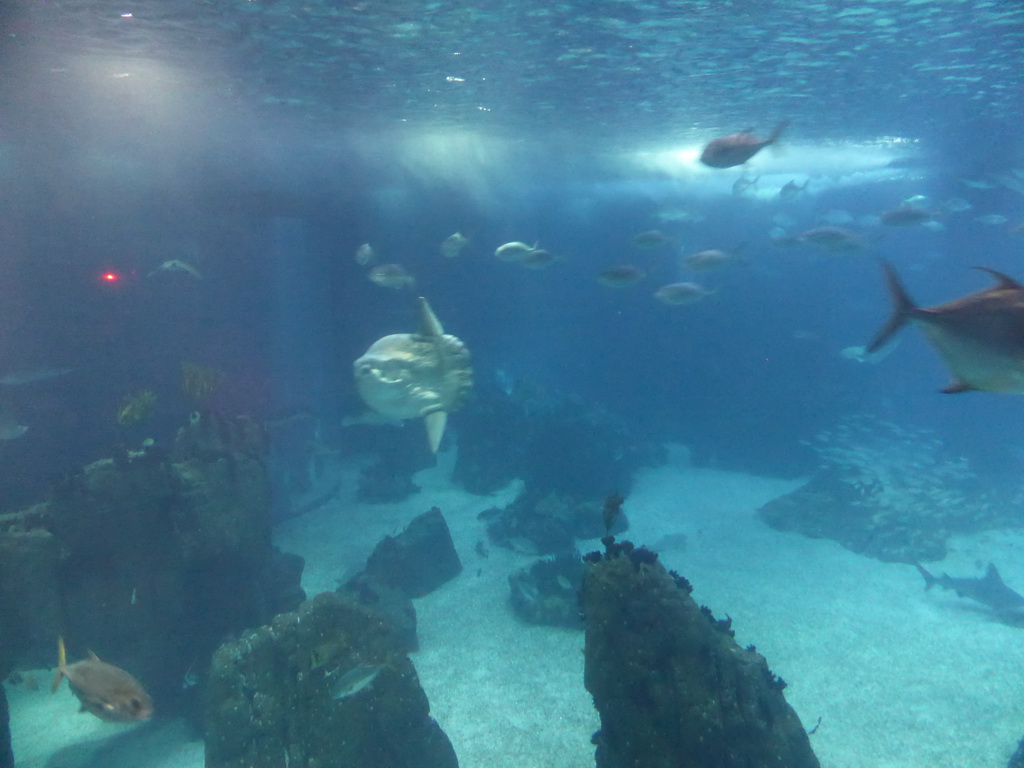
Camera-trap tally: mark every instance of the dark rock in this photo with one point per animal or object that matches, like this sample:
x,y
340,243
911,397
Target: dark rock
x,y
6,755
1017,759
555,443
539,522
380,483
548,591
390,601
418,560
672,687
30,611
150,561
389,479
273,695
300,476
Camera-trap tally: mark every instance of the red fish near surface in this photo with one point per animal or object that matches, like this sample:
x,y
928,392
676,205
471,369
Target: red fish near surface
x,y
737,148
106,691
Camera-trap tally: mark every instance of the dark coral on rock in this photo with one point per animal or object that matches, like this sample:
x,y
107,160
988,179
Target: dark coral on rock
x,y
538,522
1017,759
548,591
419,559
672,687
150,560
554,443
274,699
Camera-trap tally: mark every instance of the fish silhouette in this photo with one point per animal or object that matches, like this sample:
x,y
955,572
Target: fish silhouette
x,y
988,590
980,337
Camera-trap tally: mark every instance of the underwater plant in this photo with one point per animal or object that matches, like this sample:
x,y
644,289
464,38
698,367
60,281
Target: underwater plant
x,y
198,382
136,408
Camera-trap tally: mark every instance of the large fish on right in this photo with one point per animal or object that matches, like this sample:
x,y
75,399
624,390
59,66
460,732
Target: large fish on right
x,y
980,336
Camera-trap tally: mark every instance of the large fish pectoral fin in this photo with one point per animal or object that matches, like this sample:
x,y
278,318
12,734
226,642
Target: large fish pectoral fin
x,y
436,422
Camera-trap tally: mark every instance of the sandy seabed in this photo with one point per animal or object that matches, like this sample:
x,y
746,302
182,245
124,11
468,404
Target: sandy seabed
x,y
900,677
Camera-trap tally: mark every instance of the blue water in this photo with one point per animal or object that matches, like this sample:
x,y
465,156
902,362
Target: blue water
x,y
263,142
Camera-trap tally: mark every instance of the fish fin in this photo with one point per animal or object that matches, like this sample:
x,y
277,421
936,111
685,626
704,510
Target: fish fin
x,y
929,580
782,126
436,422
1003,280
957,386
429,324
62,660
902,309
992,575
93,656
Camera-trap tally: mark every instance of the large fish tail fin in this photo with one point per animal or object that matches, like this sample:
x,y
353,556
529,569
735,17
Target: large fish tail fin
x,y
62,663
779,129
902,309
929,580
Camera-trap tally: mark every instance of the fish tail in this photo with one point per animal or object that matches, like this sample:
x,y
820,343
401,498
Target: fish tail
x,y
782,126
929,580
62,662
902,309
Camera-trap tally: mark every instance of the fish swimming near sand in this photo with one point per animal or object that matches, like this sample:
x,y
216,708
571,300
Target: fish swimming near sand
x,y
988,590
413,375
737,148
980,337
355,680
106,691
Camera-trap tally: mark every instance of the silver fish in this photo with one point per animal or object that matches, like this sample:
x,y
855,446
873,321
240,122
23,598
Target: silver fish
x,y
355,680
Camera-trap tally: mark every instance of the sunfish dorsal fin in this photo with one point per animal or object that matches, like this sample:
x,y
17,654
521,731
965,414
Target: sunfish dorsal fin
x,y
429,324
435,422
1003,280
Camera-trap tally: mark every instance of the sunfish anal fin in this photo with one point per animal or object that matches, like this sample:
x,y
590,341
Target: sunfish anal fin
x,y
436,422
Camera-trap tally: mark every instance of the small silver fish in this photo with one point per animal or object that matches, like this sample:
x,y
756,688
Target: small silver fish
x,y
453,245
365,255
514,251
176,265
675,294
355,680
391,276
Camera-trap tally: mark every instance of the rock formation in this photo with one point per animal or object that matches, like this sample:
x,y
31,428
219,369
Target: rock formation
x,y
673,688
329,685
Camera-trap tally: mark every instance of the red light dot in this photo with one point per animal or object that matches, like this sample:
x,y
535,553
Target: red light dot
x,y
111,277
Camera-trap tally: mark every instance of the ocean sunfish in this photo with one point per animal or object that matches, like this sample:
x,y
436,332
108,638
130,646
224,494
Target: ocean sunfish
x,y
413,375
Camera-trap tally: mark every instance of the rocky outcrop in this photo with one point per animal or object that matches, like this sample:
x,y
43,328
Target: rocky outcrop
x,y
1017,759
150,559
327,685
6,756
672,687
419,559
